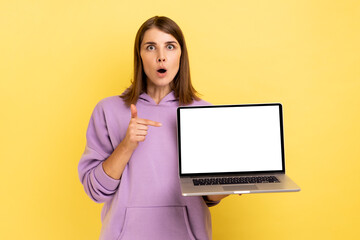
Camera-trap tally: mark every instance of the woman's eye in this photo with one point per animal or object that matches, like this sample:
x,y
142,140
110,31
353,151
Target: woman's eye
x,y
170,47
150,47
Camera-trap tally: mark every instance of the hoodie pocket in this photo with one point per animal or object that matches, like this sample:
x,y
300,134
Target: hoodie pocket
x,y
170,222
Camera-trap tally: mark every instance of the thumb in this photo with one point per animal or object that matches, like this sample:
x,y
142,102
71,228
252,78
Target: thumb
x,y
133,111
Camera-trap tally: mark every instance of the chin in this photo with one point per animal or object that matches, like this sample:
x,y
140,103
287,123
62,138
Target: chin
x,y
162,82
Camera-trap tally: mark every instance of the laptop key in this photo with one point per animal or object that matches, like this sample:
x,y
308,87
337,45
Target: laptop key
x,y
234,180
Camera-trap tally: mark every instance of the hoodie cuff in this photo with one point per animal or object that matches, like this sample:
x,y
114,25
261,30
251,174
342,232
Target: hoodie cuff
x,y
105,180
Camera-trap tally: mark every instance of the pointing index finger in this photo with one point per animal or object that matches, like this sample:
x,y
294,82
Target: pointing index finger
x,y
149,122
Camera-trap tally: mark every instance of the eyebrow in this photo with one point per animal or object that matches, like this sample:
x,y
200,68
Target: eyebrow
x,y
154,43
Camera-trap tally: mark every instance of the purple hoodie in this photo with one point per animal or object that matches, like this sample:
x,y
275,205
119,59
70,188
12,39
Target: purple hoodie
x,y
146,203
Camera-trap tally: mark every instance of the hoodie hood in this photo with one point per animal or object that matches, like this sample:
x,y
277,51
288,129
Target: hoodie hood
x,y
169,99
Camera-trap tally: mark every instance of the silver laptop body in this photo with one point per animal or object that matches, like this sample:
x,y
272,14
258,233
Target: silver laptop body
x,y
232,149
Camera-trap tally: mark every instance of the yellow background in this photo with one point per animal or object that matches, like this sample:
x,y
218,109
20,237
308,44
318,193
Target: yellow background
x,y
59,58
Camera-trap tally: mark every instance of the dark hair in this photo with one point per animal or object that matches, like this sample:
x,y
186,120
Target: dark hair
x,y
181,84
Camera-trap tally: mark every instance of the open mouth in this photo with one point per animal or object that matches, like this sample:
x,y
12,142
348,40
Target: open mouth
x,y
161,70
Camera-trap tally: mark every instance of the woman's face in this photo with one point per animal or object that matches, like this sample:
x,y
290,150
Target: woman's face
x,y
160,53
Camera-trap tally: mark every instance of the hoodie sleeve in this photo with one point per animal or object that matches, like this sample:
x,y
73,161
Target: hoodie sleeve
x,y
97,184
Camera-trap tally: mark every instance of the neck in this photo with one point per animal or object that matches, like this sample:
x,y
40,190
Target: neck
x,y
158,93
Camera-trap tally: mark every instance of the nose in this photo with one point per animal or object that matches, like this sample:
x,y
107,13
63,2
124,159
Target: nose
x,y
161,57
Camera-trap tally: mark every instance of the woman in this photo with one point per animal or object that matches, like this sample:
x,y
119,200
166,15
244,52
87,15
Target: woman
x,y
130,159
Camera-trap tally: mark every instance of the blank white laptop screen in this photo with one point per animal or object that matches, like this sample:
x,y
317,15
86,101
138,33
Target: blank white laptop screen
x,y
230,139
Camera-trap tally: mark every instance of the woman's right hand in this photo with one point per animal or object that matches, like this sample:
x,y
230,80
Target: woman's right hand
x,y
115,164
137,129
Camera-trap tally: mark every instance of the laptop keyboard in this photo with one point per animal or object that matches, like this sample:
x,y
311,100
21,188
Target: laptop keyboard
x,y
235,180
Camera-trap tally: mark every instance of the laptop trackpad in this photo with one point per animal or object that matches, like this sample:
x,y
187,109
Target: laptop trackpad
x,y
240,187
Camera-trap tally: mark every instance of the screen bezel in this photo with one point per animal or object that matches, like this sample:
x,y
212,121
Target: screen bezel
x,y
179,109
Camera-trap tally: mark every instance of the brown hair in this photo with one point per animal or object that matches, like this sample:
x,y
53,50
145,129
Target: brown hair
x,y
181,84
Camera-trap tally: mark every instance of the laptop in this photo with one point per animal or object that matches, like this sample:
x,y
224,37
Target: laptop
x,y
232,149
